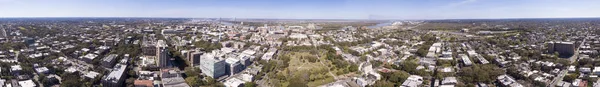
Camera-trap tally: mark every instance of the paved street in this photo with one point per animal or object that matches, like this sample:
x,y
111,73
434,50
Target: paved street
x,y
558,78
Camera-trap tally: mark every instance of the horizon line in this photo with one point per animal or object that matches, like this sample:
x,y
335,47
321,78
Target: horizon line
x,y
321,18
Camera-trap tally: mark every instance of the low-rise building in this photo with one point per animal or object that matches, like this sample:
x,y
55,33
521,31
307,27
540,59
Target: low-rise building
x,y
233,82
27,83
596,70
269,54
88,57
508,81
571,69
91,74
585,70
465,59
449,81
16,69
116,77
109,61
42,70
172,78
143,83
412,81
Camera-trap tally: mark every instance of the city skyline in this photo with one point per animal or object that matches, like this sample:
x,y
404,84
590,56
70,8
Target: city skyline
x,y
305,9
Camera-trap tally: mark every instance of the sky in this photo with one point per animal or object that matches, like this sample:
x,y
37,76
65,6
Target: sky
x,y
304,9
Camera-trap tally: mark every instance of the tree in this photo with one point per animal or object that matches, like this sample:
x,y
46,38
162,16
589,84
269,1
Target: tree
x,y
210,81
353,68
570,77
480,73
208,46
312,59
71,80
396,77
298,83
194,81
470,85
539,84
191,71
131,73
586,61
422,52
363,58
376,63
247,37
354,52
249,84
71,83
410,67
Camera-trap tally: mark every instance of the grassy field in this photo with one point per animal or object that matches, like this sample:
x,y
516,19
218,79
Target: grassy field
x,y
316,73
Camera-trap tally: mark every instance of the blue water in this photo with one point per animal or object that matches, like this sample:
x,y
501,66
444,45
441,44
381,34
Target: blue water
x,y
227,23
380,25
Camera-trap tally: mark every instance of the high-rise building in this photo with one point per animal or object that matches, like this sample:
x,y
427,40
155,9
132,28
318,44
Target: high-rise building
x,y
3,33
235,66
550,46
213,66
567,48
562,48
148,46
194,57
162,53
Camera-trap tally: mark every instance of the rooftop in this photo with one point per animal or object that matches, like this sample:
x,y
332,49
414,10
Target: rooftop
x,y
116,74
91,74
147,83
27,83
110,57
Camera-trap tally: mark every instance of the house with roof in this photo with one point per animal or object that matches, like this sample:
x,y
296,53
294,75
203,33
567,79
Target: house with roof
x,y
412,81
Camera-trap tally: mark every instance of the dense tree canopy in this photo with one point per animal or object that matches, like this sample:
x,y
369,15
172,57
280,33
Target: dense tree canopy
x,y
480,73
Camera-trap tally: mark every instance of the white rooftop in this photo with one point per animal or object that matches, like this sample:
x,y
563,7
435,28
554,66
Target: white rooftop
x,y
117,72
27,83
91,74
233,82
16,68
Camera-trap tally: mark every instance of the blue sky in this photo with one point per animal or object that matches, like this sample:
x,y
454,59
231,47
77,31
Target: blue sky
x,y
304,9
